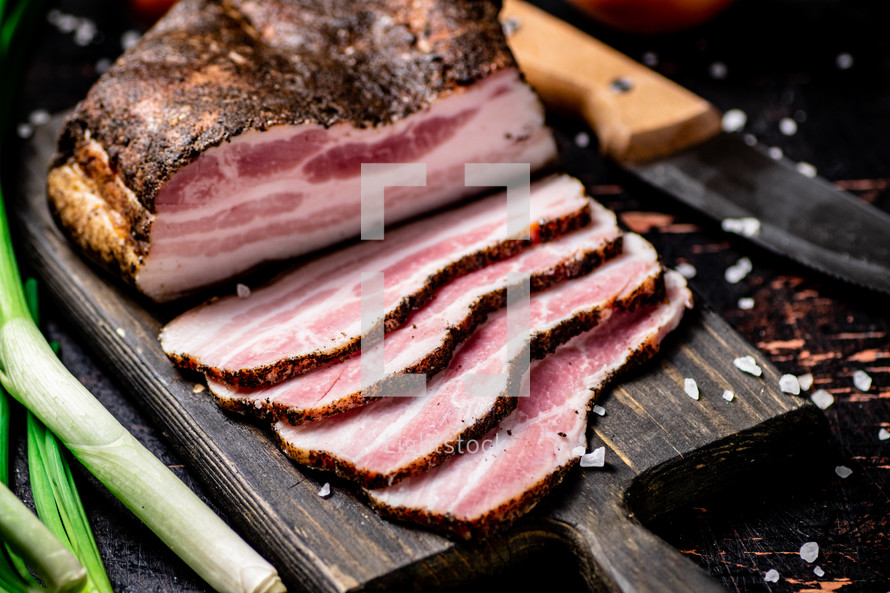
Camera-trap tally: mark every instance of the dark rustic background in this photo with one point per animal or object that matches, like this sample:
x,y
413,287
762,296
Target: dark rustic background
x,y
824,64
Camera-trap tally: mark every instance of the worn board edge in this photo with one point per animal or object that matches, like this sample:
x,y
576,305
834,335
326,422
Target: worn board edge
x,y
98,307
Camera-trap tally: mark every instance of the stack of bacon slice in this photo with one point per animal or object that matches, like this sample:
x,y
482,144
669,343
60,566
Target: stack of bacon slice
x,y
290,353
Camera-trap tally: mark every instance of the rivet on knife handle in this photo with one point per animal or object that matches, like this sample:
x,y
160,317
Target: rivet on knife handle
x,y
637,114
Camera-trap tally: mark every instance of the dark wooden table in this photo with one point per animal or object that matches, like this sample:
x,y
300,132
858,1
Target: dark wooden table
x,y
824,65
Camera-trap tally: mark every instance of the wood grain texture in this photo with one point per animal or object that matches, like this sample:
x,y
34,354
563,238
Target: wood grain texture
x,y
638,114
665,449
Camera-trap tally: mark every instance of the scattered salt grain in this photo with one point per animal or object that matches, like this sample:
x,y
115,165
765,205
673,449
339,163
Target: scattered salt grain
x,y
771,576
85,32
747,226
102,65
511,25
686,270
582,140
325,490
737,272
746,303
734,120
805,381
843,471
120,331
65,23
599,410
728,395
130,38
691,388
24,131
862,380
788,126
818,571
242,290
718,70
883,434
38,117
809,551
650,58
822,398
806,169
578,451
844,61
596,458
750,140
775,152
748,365
789,384
198,388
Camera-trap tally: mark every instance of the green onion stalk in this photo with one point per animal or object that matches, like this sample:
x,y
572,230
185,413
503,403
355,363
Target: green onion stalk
x,y
33,375
52,484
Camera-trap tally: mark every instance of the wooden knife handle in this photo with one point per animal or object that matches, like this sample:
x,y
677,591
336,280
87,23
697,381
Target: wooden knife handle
x,y
637,114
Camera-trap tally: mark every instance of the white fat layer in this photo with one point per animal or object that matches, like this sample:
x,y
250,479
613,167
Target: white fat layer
x,y
508,127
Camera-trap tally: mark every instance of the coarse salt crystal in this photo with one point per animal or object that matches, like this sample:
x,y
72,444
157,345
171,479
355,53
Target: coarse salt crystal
x,y
750,140
862,380
806,169
686,270
771,576
775,152
746,303
818,571
843,471
198,388
809,551
737,272
883,434
728,395
102,65
599,410
734,120
748,365
24,131
788,126
748,226
85,32
822,398
805,381
578,451
650,58
325,490
582,140
38,117
789,384
120,331
130,38
691,388
844,61
596,458
718,70
242,290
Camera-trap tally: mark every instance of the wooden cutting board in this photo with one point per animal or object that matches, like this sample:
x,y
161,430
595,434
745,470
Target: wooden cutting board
x,y
664,449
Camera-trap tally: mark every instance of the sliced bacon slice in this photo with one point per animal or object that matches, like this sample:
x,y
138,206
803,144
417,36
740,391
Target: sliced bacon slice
x,y
312,315
388,440
518,462
427,341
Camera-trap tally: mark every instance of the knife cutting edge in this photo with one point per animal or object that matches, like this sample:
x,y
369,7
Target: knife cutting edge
x,y
672,139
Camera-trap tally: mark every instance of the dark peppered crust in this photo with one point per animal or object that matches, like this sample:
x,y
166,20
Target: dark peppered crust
x,y
213,69
439,358
543,230
506,513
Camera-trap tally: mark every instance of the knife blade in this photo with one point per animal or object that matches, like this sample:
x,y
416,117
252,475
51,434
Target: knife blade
x,y
672,139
